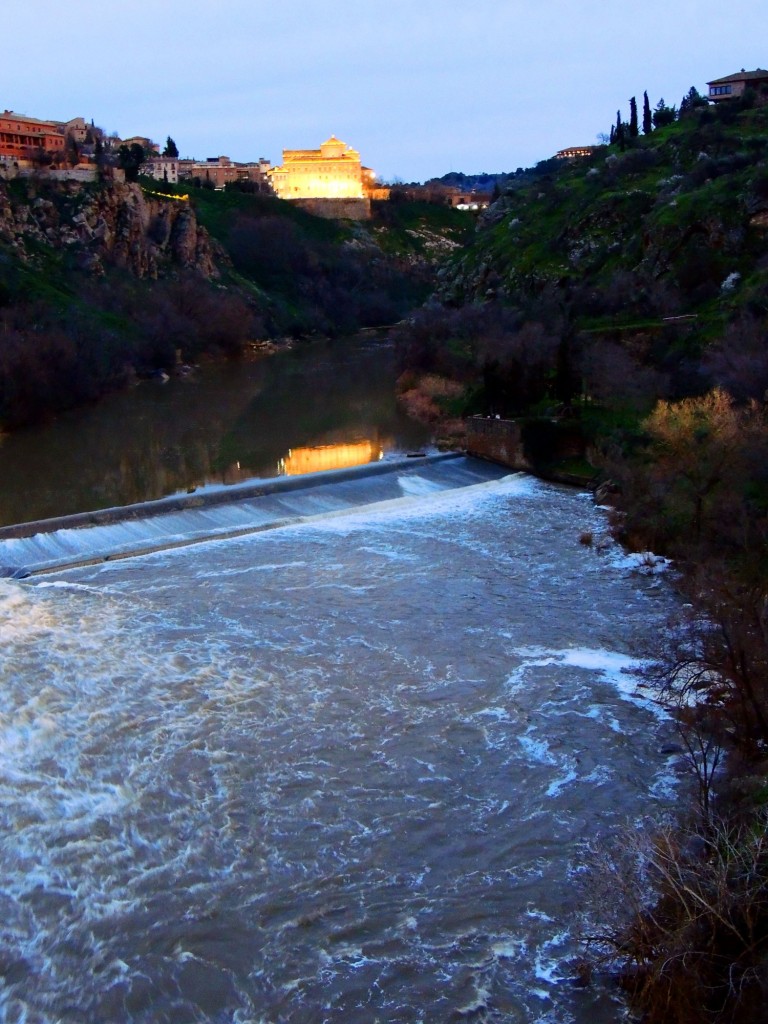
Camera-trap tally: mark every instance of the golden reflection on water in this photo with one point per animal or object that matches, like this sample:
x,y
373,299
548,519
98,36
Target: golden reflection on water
x,y
324,408
329,456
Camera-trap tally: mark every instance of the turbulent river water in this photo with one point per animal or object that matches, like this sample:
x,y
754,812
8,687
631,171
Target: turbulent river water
x,y
341,769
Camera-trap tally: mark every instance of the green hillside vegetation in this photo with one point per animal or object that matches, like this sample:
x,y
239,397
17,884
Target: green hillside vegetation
x,y
603,252
328,276
626,294
73,326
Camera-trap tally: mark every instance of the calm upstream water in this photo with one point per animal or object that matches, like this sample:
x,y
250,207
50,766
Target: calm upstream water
x,y
341,769
319,406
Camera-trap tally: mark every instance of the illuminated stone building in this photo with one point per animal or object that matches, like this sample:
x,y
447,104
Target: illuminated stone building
x,y
332,172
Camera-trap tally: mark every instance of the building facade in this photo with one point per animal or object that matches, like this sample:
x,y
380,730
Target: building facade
x,y
733,86
220,171
161,168
332,172
23,138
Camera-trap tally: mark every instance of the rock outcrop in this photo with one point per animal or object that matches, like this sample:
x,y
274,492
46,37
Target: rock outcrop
x,y
117,225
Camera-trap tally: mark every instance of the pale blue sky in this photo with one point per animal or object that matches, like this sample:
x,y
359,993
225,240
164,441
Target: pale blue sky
x,y
420,87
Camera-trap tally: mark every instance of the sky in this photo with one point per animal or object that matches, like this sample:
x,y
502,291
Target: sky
x,y
419,87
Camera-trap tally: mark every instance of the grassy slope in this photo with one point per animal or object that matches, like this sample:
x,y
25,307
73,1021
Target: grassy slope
x,y
676,208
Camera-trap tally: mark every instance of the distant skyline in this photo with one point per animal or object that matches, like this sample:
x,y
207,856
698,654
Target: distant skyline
x,y
420,89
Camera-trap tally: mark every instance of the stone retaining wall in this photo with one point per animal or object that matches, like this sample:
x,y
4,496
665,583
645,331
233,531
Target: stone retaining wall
x,y
529,445
337,209
498,440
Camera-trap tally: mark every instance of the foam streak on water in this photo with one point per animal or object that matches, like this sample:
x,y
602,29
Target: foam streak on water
x,y
337,771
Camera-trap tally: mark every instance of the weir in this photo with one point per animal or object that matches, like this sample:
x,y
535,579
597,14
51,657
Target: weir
x,y
224,512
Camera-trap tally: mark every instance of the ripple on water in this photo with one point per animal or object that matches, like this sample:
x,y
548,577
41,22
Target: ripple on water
x,y
330,772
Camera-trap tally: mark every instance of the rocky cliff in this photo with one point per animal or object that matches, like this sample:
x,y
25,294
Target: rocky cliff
x,y
109,225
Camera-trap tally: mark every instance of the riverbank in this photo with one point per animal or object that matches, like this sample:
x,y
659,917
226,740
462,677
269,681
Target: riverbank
x,y
101,284
686,490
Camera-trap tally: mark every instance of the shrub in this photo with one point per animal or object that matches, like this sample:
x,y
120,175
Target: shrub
x,y
689,935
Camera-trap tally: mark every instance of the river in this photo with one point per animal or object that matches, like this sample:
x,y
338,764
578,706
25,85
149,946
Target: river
x,y
221,424
342,768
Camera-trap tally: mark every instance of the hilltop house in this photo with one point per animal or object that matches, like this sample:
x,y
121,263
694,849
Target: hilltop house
x,y
575,152
146,144
161,168
23,137
470,200
733,86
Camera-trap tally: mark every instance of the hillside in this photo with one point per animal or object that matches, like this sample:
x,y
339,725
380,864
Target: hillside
x,y
653,260
624,296
99,283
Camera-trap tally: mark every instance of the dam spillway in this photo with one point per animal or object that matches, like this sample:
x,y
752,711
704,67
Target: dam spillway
x,y
226,512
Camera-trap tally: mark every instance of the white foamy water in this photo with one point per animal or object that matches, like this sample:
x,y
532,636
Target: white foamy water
x,y
338,770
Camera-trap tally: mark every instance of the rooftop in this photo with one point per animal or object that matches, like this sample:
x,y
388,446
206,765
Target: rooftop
x,y
741,76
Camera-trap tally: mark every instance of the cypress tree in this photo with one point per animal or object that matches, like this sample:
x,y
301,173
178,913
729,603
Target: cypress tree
x,y
633,130
647,116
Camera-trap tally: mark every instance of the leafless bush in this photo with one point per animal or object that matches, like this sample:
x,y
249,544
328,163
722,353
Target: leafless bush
x,y
615,379
739,362
689,932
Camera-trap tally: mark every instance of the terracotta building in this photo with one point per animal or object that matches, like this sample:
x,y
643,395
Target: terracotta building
x,y
332,172
23,137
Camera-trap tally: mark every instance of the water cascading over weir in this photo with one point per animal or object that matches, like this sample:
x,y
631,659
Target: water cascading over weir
x,y
227,512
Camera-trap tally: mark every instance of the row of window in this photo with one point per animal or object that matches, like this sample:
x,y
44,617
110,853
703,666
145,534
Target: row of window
x,y
720,90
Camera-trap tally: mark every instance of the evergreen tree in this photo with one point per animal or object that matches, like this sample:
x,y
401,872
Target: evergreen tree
x,y
647,117
72,151
633,129
612,137
663,114
620,134
130,158
171,149
691,101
